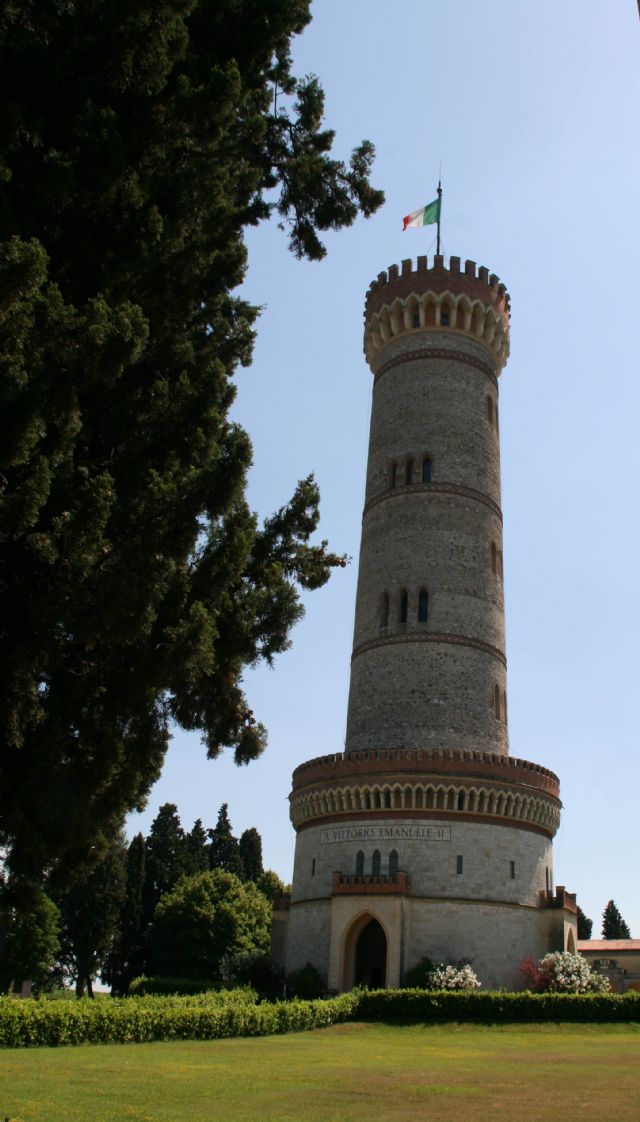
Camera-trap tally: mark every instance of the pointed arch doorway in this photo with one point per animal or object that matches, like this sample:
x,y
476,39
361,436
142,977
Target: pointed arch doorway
x,y
365,952
371,957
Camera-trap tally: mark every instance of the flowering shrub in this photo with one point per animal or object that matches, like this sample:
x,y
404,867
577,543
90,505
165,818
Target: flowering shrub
x,y
452,977
563,972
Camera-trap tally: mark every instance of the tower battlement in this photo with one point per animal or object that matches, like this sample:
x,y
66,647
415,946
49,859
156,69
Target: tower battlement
x,y
407,298
489,765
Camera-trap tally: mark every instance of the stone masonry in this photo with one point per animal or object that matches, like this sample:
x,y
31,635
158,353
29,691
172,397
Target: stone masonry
x,y
425,837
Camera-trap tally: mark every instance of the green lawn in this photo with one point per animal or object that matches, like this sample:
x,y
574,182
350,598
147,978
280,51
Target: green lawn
x,y
348,1073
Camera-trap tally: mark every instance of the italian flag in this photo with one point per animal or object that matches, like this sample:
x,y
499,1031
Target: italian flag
x,y
426,216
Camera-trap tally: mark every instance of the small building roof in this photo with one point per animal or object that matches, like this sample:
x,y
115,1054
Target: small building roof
x,y
608,944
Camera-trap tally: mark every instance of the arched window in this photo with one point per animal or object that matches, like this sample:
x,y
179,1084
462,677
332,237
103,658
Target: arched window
x,y
444,317
408,472
404,606
426,470
393,863
359,863
460,800
490,410
496,702
375,863
494,558
416,319
423,606
384,609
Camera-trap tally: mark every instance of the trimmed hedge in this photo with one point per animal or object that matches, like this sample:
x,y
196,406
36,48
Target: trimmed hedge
x,y
29,1022
32,1022
493,1008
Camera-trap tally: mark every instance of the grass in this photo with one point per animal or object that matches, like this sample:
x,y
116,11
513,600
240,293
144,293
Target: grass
x,y
348,1073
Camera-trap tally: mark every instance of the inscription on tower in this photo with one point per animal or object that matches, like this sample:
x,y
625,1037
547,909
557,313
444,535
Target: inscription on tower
x,y
423,832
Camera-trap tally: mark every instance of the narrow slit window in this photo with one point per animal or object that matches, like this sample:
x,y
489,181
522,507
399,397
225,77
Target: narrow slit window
x,y
459,865
497,420
504,705
384,610
404,606
359,863
490,410
375,863
426,470
512,870
500,567
496,702
393,475
313,867
423,606
393,863
494,559
408,474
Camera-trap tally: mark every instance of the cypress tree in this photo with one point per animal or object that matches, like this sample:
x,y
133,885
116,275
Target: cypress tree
x,y
613,925
137,143
250,848
585,925
224,852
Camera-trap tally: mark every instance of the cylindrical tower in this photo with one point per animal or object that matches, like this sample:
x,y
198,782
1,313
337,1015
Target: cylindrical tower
x,y
425,837
429,666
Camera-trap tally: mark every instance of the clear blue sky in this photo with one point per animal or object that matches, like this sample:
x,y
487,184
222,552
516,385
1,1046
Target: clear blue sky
x,y
533,111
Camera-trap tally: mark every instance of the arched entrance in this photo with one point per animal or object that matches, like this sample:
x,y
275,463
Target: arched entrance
x,y
364,952
371,957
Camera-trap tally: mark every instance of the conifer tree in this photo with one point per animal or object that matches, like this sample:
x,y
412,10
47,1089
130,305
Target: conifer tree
x,y
224,852
165,858
137,143
613,925
89,916
585,925
250,849
127,958
196,849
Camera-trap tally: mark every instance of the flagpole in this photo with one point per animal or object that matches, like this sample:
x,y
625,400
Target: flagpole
x,y
440,212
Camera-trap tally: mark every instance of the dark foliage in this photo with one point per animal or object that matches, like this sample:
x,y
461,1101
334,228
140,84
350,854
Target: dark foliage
x,y
137,143
613,925
585,925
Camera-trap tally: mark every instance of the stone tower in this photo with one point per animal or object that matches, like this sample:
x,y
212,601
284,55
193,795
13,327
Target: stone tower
x,y
425,838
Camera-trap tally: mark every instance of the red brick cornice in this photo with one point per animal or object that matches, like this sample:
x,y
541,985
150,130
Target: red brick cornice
x,y
433,489
436,352
429,637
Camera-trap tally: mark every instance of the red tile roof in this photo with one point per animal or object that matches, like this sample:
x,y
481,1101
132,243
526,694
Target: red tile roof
x,y
608,944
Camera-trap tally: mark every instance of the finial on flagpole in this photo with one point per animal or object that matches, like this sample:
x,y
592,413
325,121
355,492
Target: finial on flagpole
x,y
440,212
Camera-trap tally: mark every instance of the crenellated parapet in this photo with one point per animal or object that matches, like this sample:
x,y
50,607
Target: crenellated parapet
x,y
471,786
469,300
404,761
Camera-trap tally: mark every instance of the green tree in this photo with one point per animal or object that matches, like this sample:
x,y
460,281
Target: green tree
x,y
31,941
165,857
196,849
271,885
224,851
250,849
127,958
90,913
613,925
205,918
136,145
585,925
